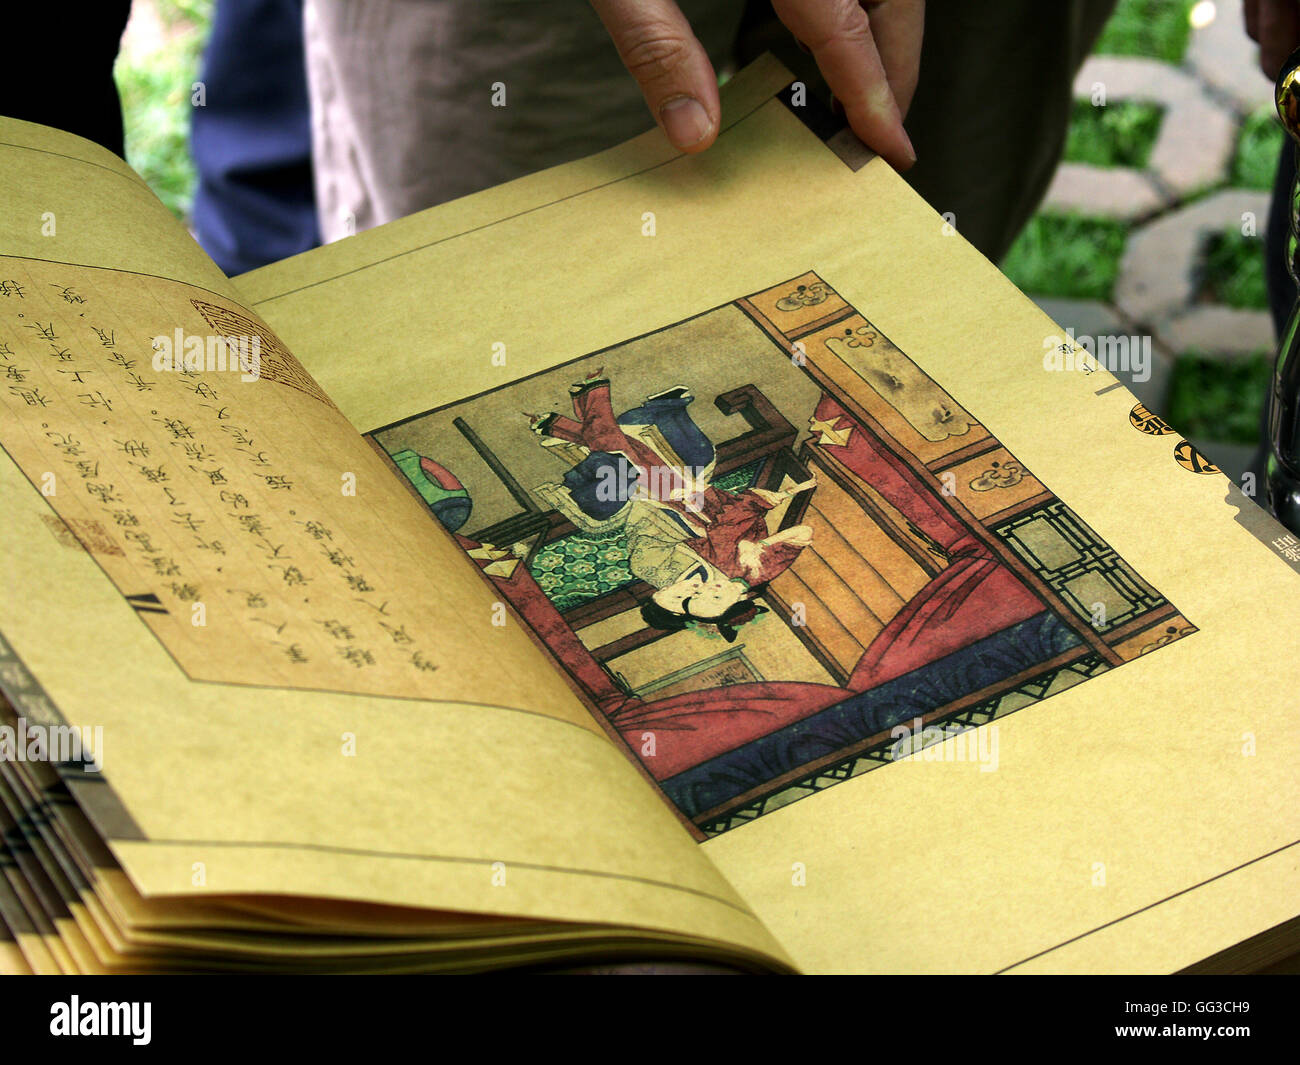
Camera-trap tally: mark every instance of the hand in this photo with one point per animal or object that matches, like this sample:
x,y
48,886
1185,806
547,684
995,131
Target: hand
x,y
1275,26
868,50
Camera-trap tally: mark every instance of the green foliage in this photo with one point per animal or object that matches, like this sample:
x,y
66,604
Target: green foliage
x,y
1234,271
155,86
1158,29
1258,149
1120,134
1214,399
1067,255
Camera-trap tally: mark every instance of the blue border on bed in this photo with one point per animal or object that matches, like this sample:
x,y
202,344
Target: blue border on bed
x,y
986,662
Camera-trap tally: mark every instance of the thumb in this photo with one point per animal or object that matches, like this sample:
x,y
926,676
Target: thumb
x,y
660,51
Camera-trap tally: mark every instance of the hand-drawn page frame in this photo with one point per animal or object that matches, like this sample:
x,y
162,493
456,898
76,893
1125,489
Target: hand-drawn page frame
x,y
1007,517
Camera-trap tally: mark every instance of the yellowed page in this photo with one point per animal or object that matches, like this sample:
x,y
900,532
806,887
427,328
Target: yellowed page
x,y
291,682
1140,813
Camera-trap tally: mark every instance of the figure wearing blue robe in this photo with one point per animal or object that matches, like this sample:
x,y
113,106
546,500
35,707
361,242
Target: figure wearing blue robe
x,y
602,483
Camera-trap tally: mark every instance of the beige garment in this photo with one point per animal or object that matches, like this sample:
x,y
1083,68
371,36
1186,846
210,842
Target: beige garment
x,y
415,102
658,554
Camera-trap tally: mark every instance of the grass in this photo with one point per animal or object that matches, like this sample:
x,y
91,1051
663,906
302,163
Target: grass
x,y
1258,149
1120,134
1209,398
155,84
1234,271
1158,29
1217,400
1067,255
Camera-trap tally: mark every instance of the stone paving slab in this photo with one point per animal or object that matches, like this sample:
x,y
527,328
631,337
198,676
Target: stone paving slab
x,y
1158,274
1198,136
1121,193
1228,332
1227,60
1129,77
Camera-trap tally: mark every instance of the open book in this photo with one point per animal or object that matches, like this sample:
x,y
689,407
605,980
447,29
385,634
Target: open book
x,y
655,557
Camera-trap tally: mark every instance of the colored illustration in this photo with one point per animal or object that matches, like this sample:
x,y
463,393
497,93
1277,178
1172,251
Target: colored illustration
x,y
707,552
760,541
438,486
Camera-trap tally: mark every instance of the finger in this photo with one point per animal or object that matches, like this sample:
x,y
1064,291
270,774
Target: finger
x,y
1251,13
839,34
1279,28
898,27
660,51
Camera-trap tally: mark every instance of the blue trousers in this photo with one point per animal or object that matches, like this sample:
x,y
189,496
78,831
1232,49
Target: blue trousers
x,y
252,138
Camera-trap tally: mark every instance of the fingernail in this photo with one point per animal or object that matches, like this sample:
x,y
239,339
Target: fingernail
x,y
911,151
685,121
